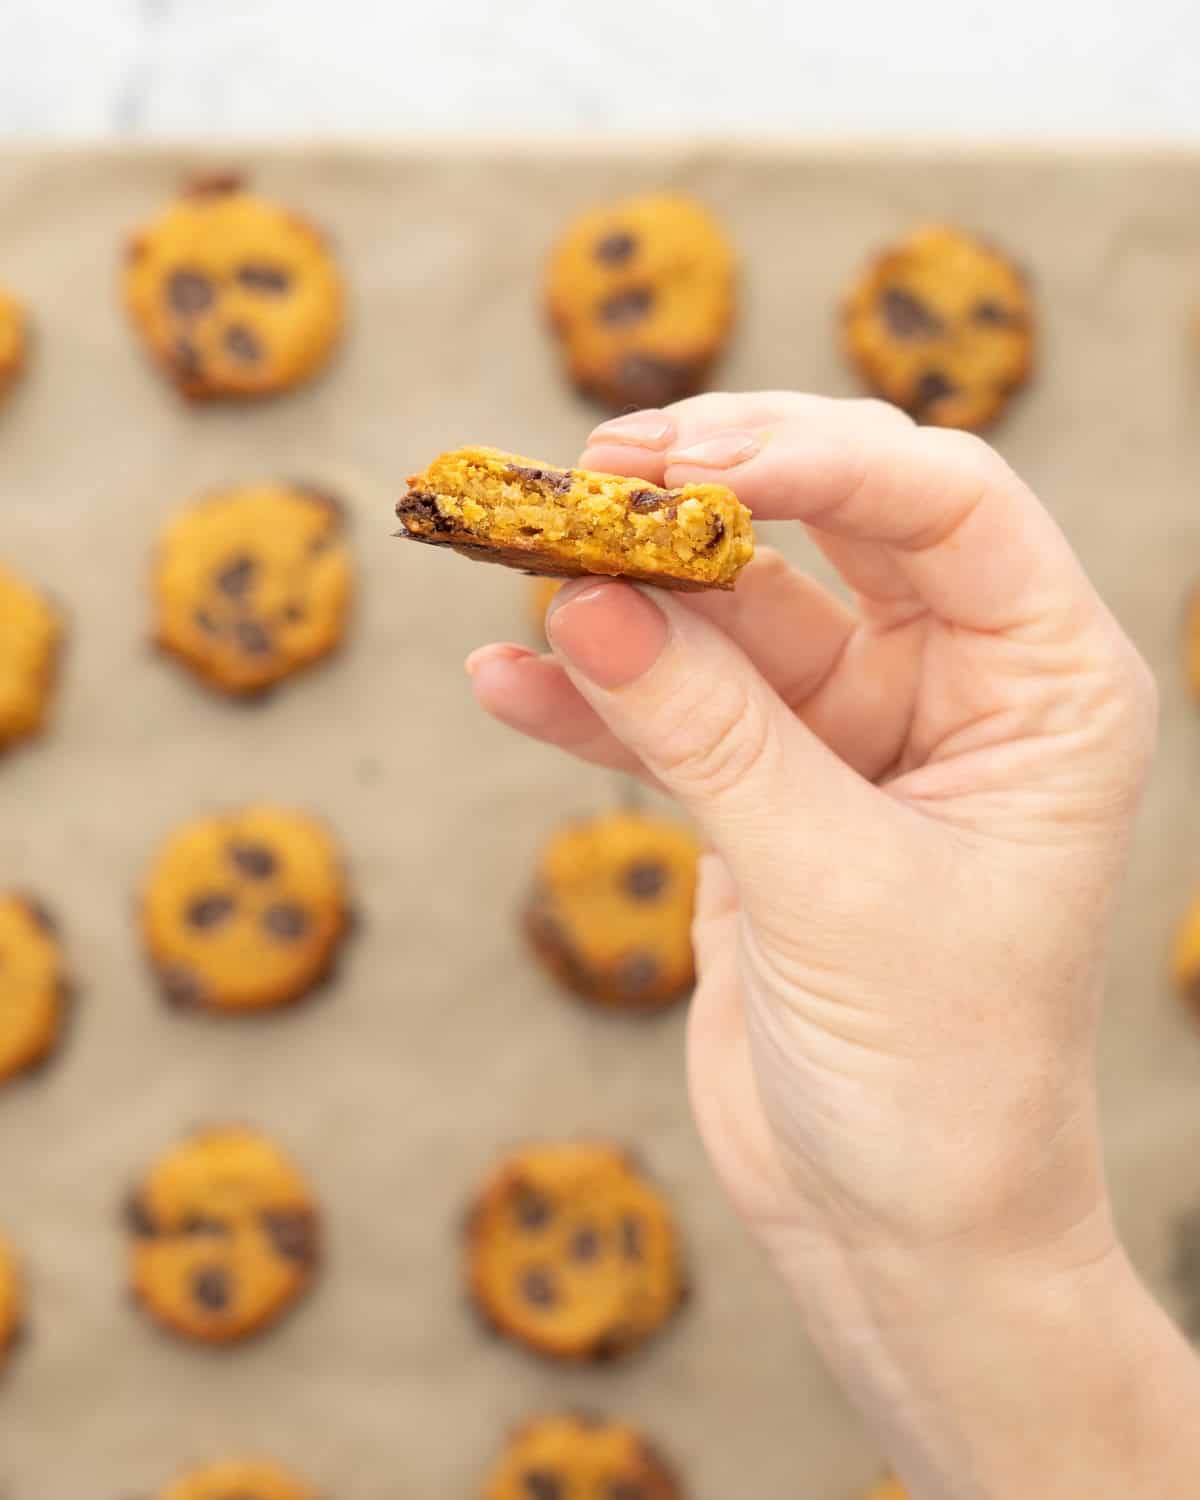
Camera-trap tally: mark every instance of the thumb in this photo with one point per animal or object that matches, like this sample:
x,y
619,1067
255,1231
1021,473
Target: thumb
x,y
692,707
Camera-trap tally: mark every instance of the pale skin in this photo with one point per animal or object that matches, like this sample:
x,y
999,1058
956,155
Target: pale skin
x,y
920,805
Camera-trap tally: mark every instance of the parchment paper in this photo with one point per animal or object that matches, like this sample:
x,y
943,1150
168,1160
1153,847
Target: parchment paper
x,y
442,1043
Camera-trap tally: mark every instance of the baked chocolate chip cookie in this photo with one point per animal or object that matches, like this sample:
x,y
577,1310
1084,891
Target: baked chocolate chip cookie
x,y
14,339
238,1479
578,1458
572,1253
233,295
942,325
499,507
33,985
224,1236
12,1300
641,294
244,911
610,912
31,632
253,584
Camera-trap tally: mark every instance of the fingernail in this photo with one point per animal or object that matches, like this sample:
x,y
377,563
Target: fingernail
x,y
500,651
639,429
611,633
725,450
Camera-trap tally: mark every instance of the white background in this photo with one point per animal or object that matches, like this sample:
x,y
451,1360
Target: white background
x,y
1114,69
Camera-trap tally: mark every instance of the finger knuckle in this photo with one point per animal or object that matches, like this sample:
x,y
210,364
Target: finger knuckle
x,y
710,747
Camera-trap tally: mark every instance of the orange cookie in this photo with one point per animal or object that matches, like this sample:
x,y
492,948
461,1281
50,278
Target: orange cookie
x,y
12,1299
576,1458
33,986
238,1479
31,634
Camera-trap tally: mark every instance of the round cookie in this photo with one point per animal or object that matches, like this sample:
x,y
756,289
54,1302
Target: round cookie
x,y
225,1236
573,1254
233,295
576,1458
641,293
33,986
610,912
30,638
12,1300
13,340
1185,958
245,910
238,1479
887,1489
941,324
252,584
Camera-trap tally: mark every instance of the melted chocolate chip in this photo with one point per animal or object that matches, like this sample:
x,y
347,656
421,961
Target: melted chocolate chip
x,y
139,1220
625,1489
212,1288
201,1224
537,1287
293,1234
629,306
557,481
991,314
932,387
646,381
636,971
257,277
646,879
907,316
584,1244
422,511
648,500
294,613
631,1237
237,576
210,910
189,293
718,535
542,1484
252,638
243,343
285,920
180,986
254,860
205,622
615,248
533,1209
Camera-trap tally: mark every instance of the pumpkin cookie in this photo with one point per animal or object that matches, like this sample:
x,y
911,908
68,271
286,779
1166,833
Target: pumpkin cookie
x,y
252,584
238,1480
1185,960
610,913
30,636
13,340
12,1300
499,507
576,1458
641,293
941,324
572,1253
887,1489
33,986
224,1236
233,295
244,910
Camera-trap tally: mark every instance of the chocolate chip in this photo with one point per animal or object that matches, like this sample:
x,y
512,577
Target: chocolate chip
x,y
180,986
189,293
533,1209
257,277
243,343
718,534
558,481
201,1224
908,317
646,879
252,638
254,860
285,920
236,577
631,1237
205,622
541,1484
584,1244
646,381
420,513
185,357
211,1288
629,306
932,387
615,248
39,915
139,1220
625,1489
210,911
537,1287
293,1232
648,500
991,314
294,613
636,971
